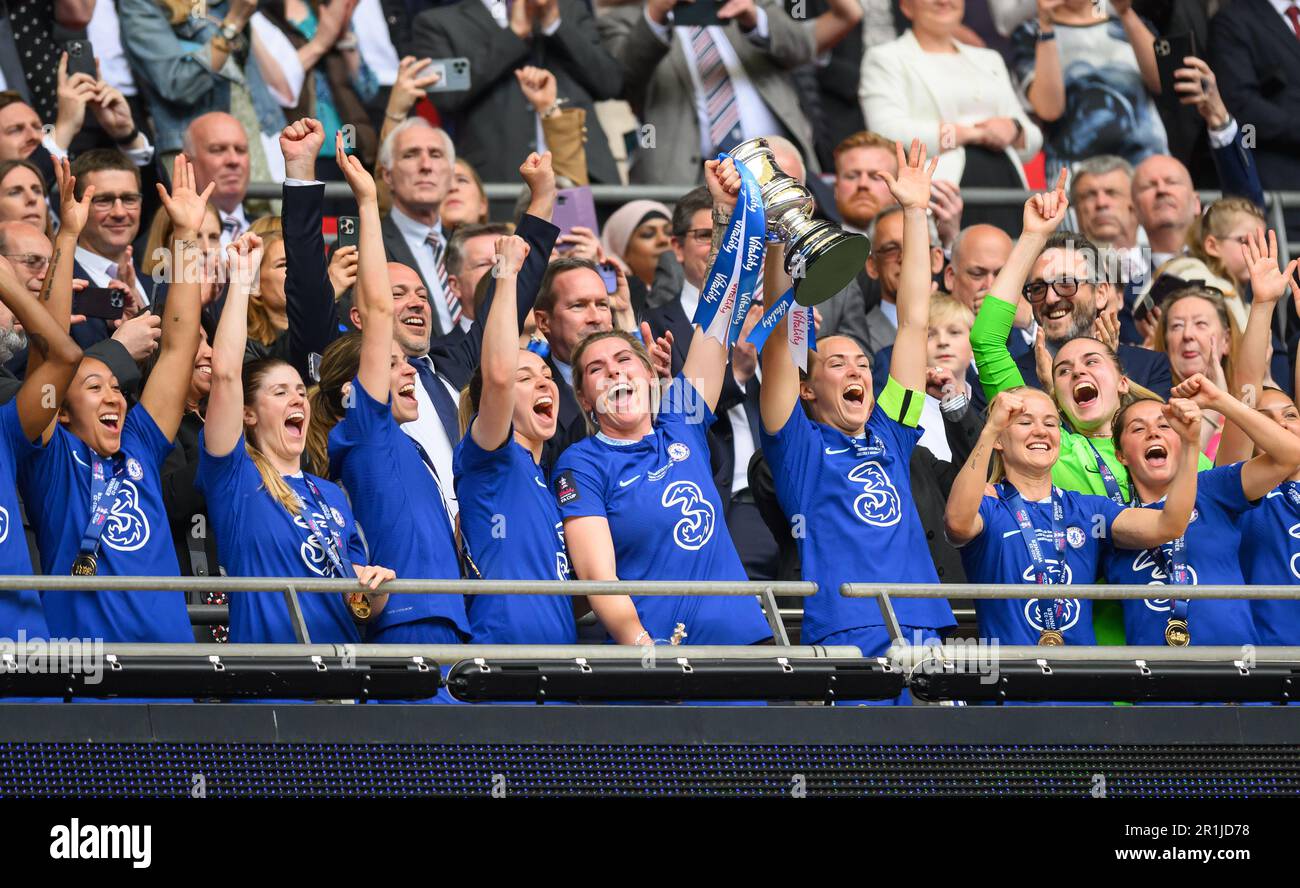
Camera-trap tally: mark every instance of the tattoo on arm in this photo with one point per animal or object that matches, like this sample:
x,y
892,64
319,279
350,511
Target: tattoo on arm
x,y
49,275
975,457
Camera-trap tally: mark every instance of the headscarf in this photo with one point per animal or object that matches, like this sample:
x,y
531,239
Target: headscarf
x,y
625,221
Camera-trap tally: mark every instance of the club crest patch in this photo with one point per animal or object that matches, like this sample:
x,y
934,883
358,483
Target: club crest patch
x,y
677,451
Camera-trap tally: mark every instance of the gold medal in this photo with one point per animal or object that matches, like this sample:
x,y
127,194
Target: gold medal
x,y
85,565
1051,638
1176,634
359,603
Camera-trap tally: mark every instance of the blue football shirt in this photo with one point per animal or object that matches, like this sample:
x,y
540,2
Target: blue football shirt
x,y
20,612
136,540
849,501
1213,539
1270,556
998,555
512,531
399,507
665,517
258,537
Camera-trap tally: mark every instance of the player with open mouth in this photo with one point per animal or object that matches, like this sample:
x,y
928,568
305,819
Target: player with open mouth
x,y
1208,553
840,456
508,516
1028,530
638,497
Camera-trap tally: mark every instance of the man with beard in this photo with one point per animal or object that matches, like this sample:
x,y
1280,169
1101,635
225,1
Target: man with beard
x,y
28,251
1068,290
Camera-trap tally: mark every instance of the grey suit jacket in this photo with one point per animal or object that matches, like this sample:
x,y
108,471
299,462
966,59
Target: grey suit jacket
x,y
396,250
494,126
659,87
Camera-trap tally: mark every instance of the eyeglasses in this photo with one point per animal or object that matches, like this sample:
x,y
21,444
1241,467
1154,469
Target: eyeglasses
x,y
1036,291
888,252
104,202
35,261
699,235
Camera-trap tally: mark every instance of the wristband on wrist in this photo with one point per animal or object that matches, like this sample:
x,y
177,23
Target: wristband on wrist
x,y
1046,36
396,118
129,137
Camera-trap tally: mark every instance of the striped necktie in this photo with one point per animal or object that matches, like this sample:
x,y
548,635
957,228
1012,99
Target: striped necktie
x,y
439,260
719,93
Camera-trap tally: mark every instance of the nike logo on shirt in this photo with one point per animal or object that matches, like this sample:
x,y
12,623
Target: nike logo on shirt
x,y
631,480
830,452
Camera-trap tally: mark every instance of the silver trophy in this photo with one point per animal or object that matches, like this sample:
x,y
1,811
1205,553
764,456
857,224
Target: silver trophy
x,y
820,257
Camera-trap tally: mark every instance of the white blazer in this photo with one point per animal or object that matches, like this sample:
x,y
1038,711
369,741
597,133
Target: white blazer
x,y
904,98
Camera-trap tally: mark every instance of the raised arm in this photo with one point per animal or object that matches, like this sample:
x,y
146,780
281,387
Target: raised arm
x,y
1144,44
373,292
706,359
780,391
43,390
1046,91
1268,284
591,548
961,519
56,291
224,420
912,191
1144,528
500,349
308,293
1277,450
169,383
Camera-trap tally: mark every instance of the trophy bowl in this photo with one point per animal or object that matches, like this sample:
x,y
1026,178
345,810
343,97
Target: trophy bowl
x,y
820,257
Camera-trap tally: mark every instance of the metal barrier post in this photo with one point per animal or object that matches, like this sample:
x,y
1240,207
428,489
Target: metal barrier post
x,y
296,618
891,618
768,600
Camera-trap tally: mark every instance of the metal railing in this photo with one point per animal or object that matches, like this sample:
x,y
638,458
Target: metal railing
x,y
911,655
291,586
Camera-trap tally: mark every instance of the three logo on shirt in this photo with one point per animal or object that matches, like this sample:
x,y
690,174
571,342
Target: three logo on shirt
x,y
879,503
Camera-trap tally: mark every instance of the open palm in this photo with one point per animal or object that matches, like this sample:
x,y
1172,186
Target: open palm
x,y
1267,282
185,204
73,213
911,187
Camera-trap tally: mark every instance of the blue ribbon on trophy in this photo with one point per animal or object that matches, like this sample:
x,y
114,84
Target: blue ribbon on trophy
x,y
799,332
729,287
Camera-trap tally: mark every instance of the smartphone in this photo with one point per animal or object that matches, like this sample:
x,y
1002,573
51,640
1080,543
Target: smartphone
x,y
700,13
575,208
453,75
1170,52
609,275
1143,307
99,302
349,231
1156,293
81,58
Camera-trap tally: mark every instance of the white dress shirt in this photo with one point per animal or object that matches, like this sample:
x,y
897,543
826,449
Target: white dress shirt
x,y
756,119
105,33
374,42
742,444
501,15
97,267
566,370
690,300
428,430
890,311
416,235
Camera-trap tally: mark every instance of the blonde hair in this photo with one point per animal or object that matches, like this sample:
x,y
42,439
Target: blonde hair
x,y
1215,222
260,328
997,467
945,308
254,373
637,349
1215,298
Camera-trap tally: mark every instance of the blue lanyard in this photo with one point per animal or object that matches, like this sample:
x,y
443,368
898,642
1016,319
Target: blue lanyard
x,y
329,542
103,497
1108,478
1047,612
1172,558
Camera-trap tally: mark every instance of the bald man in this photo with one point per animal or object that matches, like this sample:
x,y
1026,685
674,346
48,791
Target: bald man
x,y
218,146
1167,205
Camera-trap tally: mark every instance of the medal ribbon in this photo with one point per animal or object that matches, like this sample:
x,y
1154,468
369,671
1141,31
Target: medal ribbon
x,y
330,543
729,286
103,498
1011,497
1108,479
